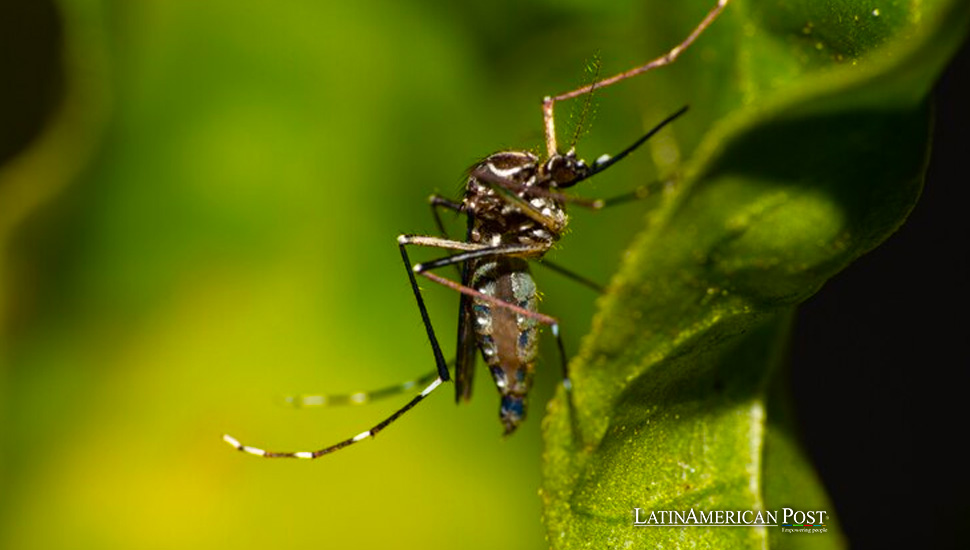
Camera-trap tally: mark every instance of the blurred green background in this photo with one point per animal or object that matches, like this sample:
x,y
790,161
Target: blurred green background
x,y
198,206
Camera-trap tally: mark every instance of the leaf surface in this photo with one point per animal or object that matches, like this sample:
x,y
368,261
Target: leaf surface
x,y
810,153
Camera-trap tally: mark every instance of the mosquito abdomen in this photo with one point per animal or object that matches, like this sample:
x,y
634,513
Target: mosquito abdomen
x,y
507,339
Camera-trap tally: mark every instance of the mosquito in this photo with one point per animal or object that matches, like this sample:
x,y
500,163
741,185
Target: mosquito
x,y
515,211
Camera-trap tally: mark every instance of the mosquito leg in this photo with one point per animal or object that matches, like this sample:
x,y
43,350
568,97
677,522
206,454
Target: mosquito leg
x,y
358,398
505,250
471,251
439,359
566,380
639,193
345,443
571,275
567,385
542,318
551,321
422,269
665,59
437,203
436,242
501,250
442,372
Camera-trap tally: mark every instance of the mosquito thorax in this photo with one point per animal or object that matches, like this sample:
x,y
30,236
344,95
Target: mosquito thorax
x,y
496,219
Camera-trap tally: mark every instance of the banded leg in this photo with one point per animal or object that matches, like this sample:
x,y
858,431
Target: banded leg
x,y
360,397
665,59
345,443
440,364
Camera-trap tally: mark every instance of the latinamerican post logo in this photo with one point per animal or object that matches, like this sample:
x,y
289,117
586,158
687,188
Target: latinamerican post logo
x,y
792,521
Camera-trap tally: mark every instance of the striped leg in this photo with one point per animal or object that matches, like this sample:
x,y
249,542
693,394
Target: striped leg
x,y
440,364
336,446
357,398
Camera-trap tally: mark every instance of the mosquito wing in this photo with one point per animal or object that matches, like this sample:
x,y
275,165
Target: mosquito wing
x,y
465,351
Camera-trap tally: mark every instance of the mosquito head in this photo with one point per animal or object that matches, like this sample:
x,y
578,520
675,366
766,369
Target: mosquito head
x,y
563,171
566,170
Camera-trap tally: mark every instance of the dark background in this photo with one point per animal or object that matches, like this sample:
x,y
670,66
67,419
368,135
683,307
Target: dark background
x,y
882,402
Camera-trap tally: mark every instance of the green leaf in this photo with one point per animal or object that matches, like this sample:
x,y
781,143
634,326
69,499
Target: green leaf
x,y
811,153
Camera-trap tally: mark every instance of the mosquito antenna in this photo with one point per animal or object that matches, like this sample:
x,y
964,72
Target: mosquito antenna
x,y
665,59
606,161
593,70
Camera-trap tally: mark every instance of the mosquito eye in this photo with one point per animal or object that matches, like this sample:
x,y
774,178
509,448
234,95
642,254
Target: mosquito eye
x,y
565,171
